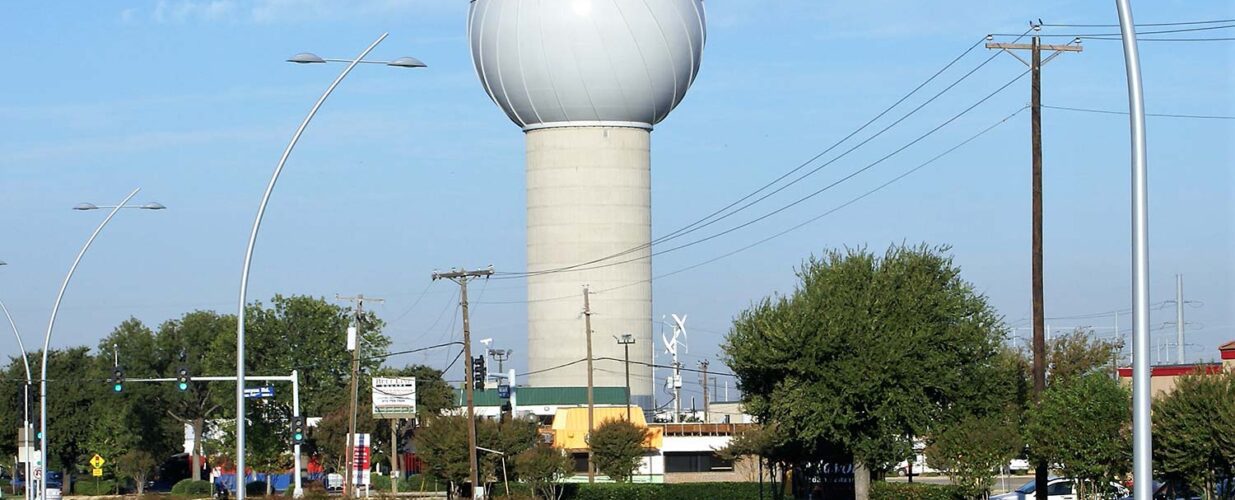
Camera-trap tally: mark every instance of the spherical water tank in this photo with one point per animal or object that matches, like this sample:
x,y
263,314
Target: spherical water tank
x,y
551,63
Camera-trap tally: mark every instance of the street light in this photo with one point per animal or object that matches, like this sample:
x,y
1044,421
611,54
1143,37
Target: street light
x,y
51,323
25,402
301,58
625,341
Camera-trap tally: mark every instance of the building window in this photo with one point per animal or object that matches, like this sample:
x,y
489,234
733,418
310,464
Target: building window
x,y
696,461
580,460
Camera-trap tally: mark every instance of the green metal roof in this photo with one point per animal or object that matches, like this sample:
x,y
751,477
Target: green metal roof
x,y
549,396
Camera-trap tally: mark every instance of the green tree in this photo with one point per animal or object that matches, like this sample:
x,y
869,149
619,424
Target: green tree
x,y
1083,424
1079,353
868,352
134,418
973,450
617,448
1191,431
443,446
136,465
187,341
542,466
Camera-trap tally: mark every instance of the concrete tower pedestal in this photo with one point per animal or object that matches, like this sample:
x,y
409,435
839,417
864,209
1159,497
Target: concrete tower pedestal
x,y
589,197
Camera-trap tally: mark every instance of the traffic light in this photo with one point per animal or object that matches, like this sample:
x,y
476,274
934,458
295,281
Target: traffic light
x,y
117,378
183,378
298,424
479,373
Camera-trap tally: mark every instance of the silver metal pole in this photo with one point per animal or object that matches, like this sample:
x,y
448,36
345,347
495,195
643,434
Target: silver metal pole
x,y
25,402
297,491
1142,440
1179,317
51,324
248,259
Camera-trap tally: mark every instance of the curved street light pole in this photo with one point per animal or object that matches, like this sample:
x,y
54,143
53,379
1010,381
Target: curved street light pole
x,y
25,402
1142,437
51,323
248,258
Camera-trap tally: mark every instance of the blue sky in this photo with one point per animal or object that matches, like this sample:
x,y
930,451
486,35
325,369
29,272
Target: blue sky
x,y
407,171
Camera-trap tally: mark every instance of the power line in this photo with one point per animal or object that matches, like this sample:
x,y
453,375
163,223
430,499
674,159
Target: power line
x,y
1139,39
1150,24
1163,115
808,221
708,220
1152,32
815,193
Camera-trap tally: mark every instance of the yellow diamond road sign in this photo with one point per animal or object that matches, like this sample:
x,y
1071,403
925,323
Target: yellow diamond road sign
x,y
97,462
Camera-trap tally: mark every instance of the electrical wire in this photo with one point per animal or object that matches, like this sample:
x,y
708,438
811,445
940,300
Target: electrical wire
x,y
1152,32
1139,39
414,303
1181,23
708,219
802,224
1163,115
558,367
821,190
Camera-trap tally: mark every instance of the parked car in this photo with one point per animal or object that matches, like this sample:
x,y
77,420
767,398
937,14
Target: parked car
x,y
54,480
1057,488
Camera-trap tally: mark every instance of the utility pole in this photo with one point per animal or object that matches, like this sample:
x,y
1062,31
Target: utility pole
x,y
353,344
703,366
461,277
591,403
1179,317
1039,315
625,341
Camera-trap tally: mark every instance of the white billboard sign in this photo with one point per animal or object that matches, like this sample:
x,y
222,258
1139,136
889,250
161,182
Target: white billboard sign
x,y
394,397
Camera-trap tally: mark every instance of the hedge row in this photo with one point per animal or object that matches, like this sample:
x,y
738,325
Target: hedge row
x,y
191,487
881,490
677,491
715,491
88,487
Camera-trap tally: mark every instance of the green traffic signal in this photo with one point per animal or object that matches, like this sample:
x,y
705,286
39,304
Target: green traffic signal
x,y
117,387
184,386
298,436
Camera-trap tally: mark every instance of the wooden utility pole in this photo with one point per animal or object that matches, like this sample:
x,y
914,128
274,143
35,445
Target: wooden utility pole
x,y
353,344
703,366
1039,315
591,403
461,277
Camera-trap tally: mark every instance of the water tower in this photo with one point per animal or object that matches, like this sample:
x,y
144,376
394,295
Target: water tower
x,y
587,80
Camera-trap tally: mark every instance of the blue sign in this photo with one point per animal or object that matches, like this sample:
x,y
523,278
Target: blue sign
x,y
259,392
503,391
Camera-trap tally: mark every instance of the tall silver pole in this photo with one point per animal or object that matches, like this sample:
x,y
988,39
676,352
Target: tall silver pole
x,y
1142,440
51,324
25,400
297,491
1179,317
248,259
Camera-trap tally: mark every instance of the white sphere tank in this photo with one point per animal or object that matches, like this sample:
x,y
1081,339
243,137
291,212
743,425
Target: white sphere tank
x,y
587,80
603,62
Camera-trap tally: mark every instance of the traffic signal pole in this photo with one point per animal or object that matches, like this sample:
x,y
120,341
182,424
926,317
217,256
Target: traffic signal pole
x,y
294,378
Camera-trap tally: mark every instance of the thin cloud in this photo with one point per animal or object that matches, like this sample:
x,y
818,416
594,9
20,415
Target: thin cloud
x,y
279,11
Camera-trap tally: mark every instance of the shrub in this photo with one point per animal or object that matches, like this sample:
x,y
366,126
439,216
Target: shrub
x,y
677,491
191,487
89,488
881,490
617,448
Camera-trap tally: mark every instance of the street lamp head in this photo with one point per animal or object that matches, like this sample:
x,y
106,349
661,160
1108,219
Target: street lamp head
x,y
86,206
305,58
3,263
407,62
154,205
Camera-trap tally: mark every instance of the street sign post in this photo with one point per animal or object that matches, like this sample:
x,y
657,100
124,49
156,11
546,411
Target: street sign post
x,y
394,397
503,391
